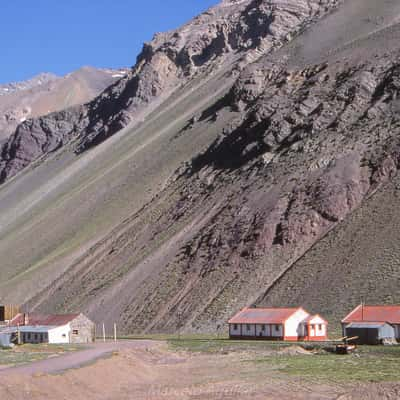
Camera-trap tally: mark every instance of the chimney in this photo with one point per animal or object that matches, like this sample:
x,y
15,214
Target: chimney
x,y
26,319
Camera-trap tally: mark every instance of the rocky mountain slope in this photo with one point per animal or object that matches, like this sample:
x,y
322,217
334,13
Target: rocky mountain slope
x,y
222,35
32,83
47,93
279,135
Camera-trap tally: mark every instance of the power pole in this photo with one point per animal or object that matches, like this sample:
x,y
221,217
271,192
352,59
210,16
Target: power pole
x,y
104,333
179,324
362,309
18,335
115,332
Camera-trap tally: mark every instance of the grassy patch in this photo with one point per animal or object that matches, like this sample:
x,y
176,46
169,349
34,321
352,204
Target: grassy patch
x,y
218,345
369,364
10,357
28,353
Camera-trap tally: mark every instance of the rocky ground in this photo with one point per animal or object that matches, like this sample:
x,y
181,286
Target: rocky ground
x,y
282,129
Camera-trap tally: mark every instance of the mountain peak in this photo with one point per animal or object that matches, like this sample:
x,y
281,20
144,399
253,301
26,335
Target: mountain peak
x,y
47,92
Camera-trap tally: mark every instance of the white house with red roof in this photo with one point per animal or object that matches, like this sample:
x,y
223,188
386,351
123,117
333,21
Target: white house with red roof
x,y
291,324
373,324
51,328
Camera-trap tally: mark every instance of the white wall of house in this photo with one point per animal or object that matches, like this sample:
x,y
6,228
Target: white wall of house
x,y
60,334
397,331
256,330
264,330
277,330
234,329
317,327
248,330
294,326
5,339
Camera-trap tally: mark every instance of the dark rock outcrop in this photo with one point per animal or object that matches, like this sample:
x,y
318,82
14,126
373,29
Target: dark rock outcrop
x,y
38,137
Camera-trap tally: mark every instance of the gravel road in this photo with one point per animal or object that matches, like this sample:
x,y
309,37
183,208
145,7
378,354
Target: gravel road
x,y
76,359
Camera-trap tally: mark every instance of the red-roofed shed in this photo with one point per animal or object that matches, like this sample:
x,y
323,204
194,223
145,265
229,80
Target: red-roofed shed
x,y
367,313
277,324
373,324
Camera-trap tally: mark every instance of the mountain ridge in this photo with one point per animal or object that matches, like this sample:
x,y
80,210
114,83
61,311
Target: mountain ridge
x,y
169,60
46,93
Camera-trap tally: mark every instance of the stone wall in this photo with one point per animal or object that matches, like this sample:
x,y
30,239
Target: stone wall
x,y
82,330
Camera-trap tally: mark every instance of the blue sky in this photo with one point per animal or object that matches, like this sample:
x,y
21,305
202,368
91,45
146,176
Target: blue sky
x,y
59,36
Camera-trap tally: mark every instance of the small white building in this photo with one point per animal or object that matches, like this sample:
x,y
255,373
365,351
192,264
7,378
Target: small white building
x,y
373,324
55,329
5,338
289,324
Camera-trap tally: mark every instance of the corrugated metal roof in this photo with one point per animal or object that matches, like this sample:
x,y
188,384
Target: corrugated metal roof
x,y
28,328
36,329
371,325
263,315
365,313
43,319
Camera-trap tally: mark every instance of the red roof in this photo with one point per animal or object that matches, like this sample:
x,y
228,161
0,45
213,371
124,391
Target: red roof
x,y
43,319
263,315
311,317
365,313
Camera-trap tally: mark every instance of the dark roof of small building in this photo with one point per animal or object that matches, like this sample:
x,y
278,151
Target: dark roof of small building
x,y
43,319
364,313
28,328
367,325
263,315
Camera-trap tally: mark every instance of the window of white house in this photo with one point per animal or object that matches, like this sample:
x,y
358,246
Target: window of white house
x,y
64,335
75,332
248,327
263,328
235,327
276,328
320,327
